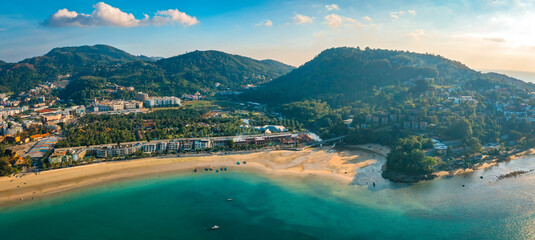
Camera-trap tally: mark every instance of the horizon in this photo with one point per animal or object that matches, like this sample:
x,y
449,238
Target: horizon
x,y
485,35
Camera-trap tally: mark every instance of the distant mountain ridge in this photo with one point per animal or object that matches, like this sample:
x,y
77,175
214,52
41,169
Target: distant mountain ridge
x,y
196,71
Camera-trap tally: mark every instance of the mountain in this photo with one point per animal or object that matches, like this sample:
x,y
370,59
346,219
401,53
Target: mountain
x,y
510,80
26,74
69,60
205,71
195,71
206,68
344,75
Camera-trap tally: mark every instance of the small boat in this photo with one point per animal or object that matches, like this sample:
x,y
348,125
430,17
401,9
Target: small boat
x,y
229,199
215,227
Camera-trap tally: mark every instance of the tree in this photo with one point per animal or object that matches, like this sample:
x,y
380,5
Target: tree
x,y
462,129
5,167
473,145
231,144
407,157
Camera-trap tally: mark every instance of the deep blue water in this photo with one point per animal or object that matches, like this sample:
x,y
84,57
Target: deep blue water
x,y
263,207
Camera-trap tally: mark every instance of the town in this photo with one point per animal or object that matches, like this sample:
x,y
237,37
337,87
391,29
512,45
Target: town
x,y
33,123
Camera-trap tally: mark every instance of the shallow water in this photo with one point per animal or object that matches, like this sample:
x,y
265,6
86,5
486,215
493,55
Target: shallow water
x,y
184,206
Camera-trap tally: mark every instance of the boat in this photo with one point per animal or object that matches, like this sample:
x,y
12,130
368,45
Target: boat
x,y
229,199
215,227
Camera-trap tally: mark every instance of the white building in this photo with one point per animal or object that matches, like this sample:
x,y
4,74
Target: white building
x,y
161,101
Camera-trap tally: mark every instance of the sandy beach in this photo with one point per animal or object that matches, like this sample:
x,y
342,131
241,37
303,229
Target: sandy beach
x,y
338,165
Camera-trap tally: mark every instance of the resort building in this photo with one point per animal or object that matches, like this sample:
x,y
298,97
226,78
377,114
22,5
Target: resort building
x,y
149,147
78,154
161,146
173,146
202,144
117,150
161,102
58,156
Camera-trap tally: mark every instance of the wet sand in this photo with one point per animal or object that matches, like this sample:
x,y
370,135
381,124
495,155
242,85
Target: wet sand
x,y
337,165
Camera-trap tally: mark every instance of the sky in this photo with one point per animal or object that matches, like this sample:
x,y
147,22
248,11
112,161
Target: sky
x,y
483,34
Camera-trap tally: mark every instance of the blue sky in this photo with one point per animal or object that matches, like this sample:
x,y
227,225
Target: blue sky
x,y
484,34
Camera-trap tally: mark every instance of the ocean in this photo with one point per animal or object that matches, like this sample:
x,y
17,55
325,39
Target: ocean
x,y
186,206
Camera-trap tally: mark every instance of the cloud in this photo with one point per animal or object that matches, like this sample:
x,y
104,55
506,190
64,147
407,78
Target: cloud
x,y
106,15
418,34
267,23
173,15
332,7
367,19
301,19
396,15
335,21
495,39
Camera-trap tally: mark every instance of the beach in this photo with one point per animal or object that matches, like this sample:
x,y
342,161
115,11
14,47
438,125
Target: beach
x,y
335,164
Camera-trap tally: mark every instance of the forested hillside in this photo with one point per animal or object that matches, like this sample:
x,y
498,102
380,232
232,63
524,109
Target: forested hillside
x,y
205,71
341,76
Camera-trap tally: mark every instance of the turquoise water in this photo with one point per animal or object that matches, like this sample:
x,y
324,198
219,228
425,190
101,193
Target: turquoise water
x,y
183,206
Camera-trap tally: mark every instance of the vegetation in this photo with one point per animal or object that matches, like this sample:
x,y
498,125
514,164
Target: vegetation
x,y
92,68
407,156
161,124
389,95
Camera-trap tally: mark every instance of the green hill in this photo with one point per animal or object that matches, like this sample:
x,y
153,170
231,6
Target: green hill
x,y
203,69
73,61
344,75
195,71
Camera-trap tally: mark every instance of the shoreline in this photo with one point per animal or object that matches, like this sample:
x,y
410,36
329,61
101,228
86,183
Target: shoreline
x,y
337,165
485,164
